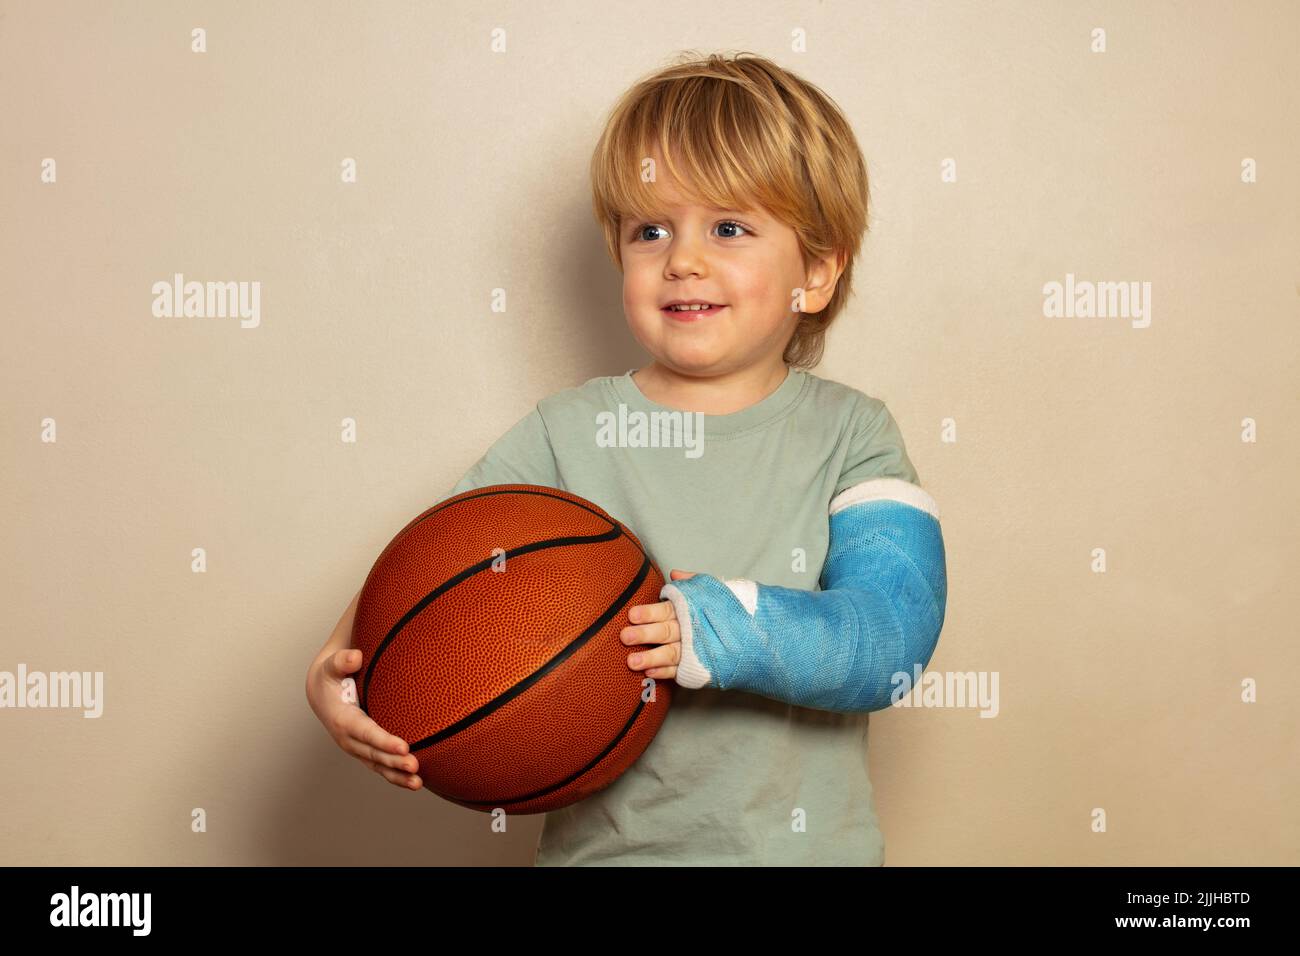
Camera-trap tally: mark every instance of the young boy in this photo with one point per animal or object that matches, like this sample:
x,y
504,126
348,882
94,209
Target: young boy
x,y
816,571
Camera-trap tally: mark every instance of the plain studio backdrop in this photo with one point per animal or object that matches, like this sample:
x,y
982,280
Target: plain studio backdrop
x,y
1009,145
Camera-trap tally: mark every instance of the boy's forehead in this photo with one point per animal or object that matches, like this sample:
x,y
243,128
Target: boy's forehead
x,y
707,207
674,202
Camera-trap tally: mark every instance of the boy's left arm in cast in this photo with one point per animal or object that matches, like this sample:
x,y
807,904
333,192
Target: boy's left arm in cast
x,y
878,615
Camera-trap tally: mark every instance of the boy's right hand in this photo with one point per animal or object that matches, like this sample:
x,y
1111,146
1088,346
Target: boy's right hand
x,y
351,728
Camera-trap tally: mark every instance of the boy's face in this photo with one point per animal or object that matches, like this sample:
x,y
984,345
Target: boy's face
x,y
743,260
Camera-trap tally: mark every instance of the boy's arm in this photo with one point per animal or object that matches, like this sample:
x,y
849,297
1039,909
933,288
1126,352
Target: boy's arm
x,y
879,613
880,610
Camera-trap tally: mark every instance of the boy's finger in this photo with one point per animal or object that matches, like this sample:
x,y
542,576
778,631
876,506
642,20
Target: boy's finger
x,y
649,613
344,662
660,632
364,729
359,748
407,781
668,655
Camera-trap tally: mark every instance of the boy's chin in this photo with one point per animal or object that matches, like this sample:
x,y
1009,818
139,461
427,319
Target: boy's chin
x,y
693,363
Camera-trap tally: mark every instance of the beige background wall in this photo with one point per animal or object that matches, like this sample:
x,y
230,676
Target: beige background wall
x,y
1119,690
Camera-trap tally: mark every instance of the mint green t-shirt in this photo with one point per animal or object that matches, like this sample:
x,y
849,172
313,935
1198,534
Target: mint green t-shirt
x,y
745,496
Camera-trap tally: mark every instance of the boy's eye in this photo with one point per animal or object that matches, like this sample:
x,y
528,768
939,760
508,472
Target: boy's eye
x,y
726,223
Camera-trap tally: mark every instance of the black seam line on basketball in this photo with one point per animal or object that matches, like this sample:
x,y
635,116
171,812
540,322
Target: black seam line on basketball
x,y
615,531
485,493
545,494
640,705
571,648
540,494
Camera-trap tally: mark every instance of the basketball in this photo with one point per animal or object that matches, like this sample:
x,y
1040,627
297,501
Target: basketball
x,y
489,632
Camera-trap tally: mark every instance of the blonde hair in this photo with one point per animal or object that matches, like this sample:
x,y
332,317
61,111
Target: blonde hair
x,y
741,129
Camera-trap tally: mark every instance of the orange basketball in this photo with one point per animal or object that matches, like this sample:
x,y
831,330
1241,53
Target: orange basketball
x,y
489,632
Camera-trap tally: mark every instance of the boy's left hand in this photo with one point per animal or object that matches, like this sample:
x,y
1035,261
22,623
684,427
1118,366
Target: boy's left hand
x,y
655,624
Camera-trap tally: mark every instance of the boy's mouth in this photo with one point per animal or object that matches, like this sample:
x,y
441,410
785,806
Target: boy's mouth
x,y
690,311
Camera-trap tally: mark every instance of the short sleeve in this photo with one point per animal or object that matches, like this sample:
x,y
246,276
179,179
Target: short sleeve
x,y
876,449
523,455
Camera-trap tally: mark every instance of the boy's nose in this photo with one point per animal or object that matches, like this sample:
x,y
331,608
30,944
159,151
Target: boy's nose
x,y
684,264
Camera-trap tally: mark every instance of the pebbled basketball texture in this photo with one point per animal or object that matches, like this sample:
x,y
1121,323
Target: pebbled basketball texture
x,y
511,686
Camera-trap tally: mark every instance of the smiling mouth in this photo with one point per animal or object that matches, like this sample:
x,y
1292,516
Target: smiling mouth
x,y
688,315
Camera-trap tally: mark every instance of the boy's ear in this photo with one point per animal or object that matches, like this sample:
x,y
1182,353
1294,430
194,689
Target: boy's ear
x,y
823,274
